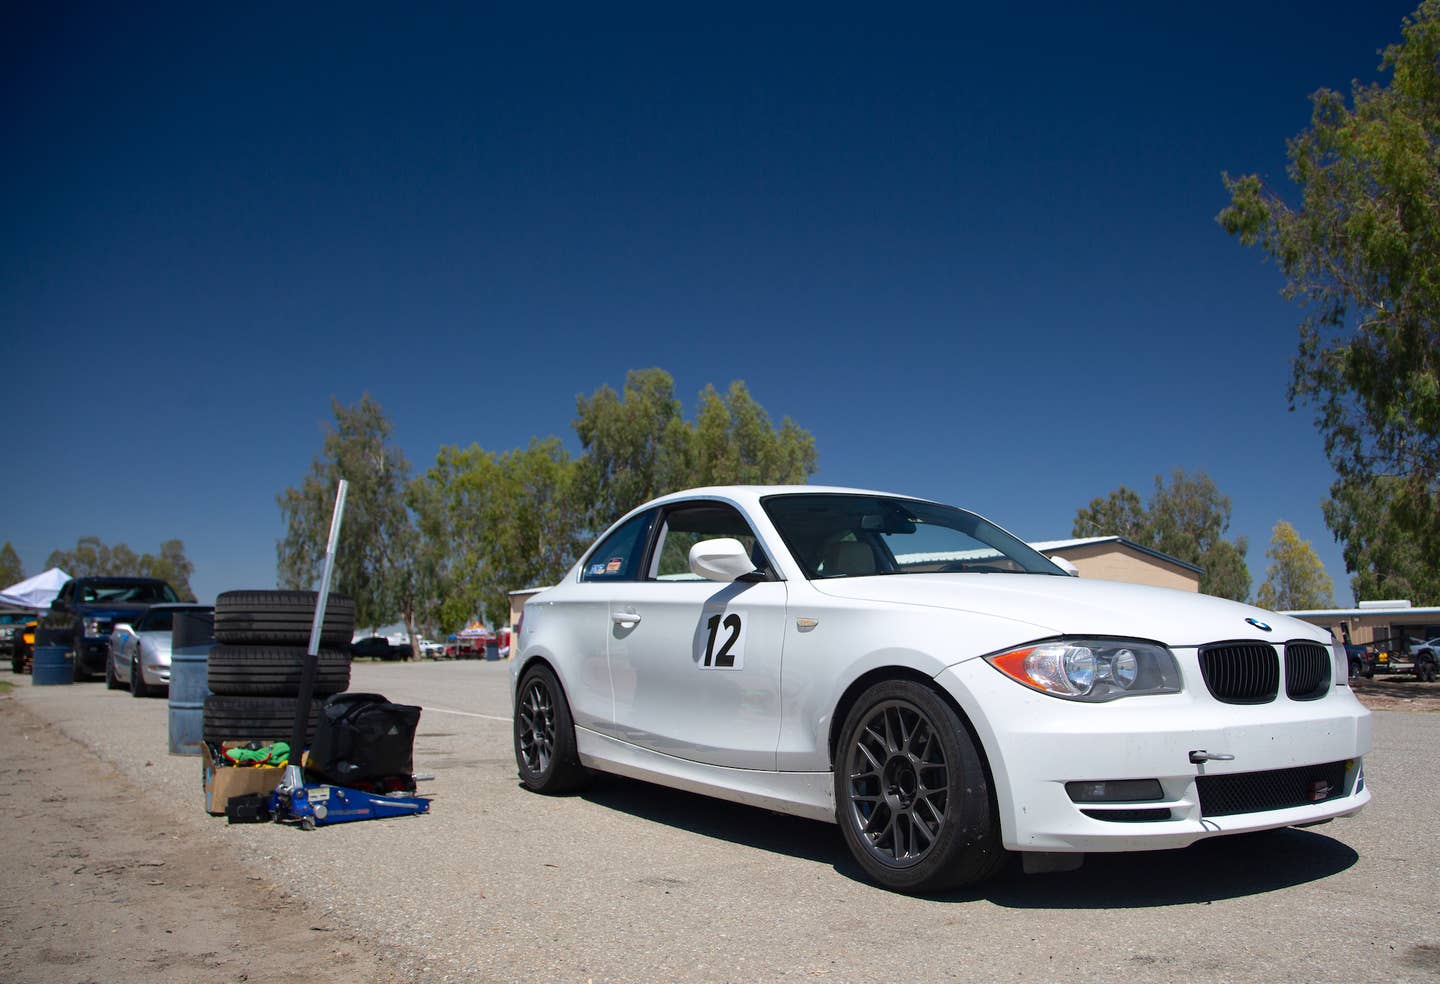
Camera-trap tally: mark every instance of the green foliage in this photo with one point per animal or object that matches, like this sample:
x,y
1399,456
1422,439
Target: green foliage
x,y
451,543
1361,254
92,558
1118,514
1186,518
638,446
11,570
375,554
1296,579
734,442
1384,559
509,521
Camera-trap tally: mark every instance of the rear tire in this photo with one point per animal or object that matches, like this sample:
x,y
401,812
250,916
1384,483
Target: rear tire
x,y
545,749
912,792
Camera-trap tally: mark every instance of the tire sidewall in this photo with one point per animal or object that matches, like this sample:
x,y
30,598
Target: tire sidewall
x,y
968,848
564,772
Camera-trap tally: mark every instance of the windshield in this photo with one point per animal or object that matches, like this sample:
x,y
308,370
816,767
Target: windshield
x,y
839,535
142,592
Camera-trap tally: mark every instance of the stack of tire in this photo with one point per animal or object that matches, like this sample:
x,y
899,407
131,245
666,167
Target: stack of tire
x,y
254,671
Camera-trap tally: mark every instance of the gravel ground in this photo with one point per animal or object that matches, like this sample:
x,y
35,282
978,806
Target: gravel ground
x,y
632,882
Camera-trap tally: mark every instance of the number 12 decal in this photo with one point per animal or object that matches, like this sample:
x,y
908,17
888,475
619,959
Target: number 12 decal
x,y
730,655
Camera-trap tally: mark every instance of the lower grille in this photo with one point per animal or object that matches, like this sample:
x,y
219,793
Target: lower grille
x,y
1307,670
1256,792
1241,672
1129,816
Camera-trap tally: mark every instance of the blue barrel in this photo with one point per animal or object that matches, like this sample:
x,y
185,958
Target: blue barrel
x,y
53,665
192,637
492,649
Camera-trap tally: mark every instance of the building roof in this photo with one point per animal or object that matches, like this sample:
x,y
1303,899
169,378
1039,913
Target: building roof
x,y
1060,546
1390,612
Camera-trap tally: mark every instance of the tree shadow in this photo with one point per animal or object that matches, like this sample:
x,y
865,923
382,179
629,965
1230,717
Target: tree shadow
x,y
1211,870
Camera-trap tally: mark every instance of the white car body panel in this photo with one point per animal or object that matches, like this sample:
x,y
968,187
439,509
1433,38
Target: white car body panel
x,y
761,733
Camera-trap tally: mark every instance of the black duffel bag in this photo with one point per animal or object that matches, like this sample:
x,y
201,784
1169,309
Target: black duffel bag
x,y
362,737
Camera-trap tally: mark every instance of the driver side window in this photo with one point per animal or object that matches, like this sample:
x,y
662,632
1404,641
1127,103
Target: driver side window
x,y
686,525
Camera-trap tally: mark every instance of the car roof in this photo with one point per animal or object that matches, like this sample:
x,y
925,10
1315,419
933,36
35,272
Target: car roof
x,y
120,579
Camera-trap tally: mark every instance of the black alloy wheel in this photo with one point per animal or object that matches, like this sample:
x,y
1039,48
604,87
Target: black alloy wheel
x,y
899,783
545,735
912,792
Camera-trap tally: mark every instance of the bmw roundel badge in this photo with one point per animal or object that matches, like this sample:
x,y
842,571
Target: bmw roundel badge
x,y
1258,624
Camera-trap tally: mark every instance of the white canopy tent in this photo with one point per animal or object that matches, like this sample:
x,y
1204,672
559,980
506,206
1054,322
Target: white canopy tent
x,y
35,592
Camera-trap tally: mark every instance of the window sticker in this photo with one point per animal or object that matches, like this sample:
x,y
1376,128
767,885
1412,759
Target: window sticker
x,y
596,570
613,565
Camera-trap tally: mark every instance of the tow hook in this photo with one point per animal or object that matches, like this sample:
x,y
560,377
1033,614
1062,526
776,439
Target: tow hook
x,y
1200,756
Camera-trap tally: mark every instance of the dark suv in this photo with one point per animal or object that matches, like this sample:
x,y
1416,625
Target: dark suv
x,y
89,607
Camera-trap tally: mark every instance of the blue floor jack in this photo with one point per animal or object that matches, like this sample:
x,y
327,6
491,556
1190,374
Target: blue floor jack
x,y
318,805
314,806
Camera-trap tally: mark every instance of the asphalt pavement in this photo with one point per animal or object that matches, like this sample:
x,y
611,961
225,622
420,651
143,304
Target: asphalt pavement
x,y
631,882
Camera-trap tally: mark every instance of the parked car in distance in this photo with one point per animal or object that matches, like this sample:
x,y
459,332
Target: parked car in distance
x,y
88,608
1362,660
10,624
1427,659
23,653
378,647
947,694
140,651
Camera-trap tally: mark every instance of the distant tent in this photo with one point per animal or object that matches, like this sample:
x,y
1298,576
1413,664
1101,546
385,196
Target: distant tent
x,y
35,592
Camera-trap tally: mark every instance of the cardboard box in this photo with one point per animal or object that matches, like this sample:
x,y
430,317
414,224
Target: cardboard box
x,y
223,780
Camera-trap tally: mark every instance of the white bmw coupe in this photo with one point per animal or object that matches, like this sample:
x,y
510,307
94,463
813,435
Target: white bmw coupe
x,y
924,679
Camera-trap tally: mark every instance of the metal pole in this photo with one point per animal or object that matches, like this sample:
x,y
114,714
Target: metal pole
x,y
294,774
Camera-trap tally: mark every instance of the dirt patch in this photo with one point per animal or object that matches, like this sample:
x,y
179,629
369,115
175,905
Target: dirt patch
x,y
1397,693
94,888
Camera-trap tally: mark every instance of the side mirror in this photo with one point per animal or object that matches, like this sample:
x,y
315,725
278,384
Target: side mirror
x,y
1065,566
724,559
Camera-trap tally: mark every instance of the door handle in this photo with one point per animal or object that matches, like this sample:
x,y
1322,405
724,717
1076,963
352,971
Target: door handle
x,y
624,618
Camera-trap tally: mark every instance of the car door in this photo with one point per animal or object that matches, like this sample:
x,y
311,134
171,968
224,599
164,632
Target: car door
x,y
573,620
695,664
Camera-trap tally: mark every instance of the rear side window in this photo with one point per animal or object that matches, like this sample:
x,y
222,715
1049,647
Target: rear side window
x,y
618,556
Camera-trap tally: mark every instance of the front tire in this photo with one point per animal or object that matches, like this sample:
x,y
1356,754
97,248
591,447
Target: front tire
x,y
912,793
111,682
138,686
545,750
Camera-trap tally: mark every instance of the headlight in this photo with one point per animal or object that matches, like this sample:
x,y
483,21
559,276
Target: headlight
x,y
1092,669
92,626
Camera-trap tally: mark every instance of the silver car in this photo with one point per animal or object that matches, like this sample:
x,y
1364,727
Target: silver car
x,y
140,651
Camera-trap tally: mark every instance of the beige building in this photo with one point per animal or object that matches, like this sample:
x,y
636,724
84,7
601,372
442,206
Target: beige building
x,y
1114,558
1371,620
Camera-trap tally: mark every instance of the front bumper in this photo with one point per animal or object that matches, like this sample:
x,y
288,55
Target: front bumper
x,y
155,672
1036,744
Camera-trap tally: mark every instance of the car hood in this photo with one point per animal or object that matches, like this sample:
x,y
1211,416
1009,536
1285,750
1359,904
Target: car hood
x,y
158,644
1077,606
114,613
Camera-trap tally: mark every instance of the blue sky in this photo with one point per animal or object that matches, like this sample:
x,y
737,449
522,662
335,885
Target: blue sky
x,y
972,251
